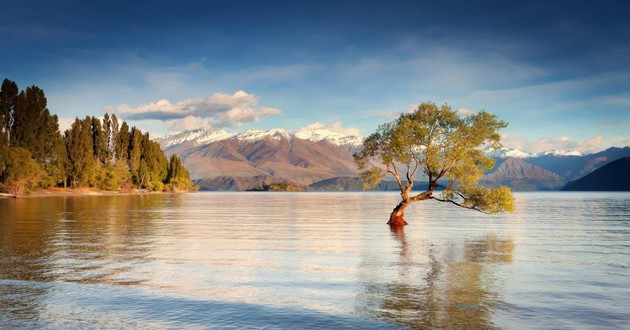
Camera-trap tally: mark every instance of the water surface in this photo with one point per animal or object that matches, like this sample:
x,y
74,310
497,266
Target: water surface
x,y
312,260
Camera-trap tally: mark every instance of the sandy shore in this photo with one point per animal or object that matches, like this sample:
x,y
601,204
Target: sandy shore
x,y
53,192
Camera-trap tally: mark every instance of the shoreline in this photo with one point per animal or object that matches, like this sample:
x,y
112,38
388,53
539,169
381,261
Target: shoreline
x,y
59,192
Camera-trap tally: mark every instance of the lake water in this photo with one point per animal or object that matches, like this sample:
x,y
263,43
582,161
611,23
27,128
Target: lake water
x,y
313,260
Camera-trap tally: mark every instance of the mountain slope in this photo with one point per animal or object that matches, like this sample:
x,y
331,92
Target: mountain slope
x,y
614,176
521,176
316,155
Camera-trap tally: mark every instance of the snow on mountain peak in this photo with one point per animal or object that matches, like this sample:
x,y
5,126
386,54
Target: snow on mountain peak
x,y
321,134
255,135
507,153
198,137
515,153
560,153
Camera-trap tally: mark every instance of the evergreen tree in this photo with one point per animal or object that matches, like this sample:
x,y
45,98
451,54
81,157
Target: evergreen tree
x,y
153,164
81,165
56,165
8,96
114,137
177,177
122,143
99,141
107,128
135,152
33,126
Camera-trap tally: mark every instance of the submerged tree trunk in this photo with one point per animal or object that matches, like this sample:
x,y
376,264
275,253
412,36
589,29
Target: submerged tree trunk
x,y
397,216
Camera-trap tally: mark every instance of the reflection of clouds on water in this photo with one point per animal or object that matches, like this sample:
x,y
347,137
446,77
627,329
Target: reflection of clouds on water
x,y
448,286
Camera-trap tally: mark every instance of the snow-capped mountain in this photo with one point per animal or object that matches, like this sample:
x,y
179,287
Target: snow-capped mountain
x,y
196,137
323,134
515,153
507,153
200,137
560,153
257,135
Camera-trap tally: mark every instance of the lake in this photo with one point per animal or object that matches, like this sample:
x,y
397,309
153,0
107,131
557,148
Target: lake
x,y
313,260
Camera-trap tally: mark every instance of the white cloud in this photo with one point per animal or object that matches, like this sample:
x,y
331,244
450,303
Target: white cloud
x,y
190,123
216,110
65,123
464,112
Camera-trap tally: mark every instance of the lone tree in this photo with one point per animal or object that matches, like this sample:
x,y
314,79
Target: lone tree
x,y
446,148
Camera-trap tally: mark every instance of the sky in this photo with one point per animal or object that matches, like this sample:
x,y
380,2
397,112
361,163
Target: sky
x,y
557,71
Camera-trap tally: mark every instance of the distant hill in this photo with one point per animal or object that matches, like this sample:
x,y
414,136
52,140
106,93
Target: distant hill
x,y
614,176
519,175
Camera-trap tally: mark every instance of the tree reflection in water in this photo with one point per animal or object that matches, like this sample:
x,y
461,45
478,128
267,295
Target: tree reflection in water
x,y
91,239
454,288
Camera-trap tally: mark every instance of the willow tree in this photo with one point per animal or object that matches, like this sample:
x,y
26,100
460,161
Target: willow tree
x,y
446,148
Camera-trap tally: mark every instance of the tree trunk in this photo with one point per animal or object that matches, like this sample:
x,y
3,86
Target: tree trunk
x,y
397,216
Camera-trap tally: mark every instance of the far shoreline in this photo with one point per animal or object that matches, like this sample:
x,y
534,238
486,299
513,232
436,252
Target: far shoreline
x,y
75,192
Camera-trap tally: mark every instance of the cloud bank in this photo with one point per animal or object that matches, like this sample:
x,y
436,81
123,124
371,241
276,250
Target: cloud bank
x,y
215,111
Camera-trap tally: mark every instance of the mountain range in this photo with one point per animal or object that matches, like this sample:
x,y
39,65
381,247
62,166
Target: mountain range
x,y
321,159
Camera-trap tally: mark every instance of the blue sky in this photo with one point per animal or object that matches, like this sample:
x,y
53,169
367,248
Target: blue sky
x,y
557,71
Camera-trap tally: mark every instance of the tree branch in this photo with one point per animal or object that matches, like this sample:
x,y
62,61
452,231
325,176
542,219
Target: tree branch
x,y
458,204
396,175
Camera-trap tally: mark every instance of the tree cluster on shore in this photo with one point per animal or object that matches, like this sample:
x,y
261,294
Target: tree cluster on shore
x,y
104,154
278,186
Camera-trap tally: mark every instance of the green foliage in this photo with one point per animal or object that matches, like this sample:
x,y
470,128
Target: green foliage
x,y
56,165
8,95
445,147
112,176
21,171
153,167
177,177
121,148
92,153
277,186
26,122
81,163
99,141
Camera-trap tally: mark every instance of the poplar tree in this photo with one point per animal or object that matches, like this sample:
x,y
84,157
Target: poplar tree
x,y
99,141
8,96
114,137
107,129
153,164
79,145
135,152
177,176
122,143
